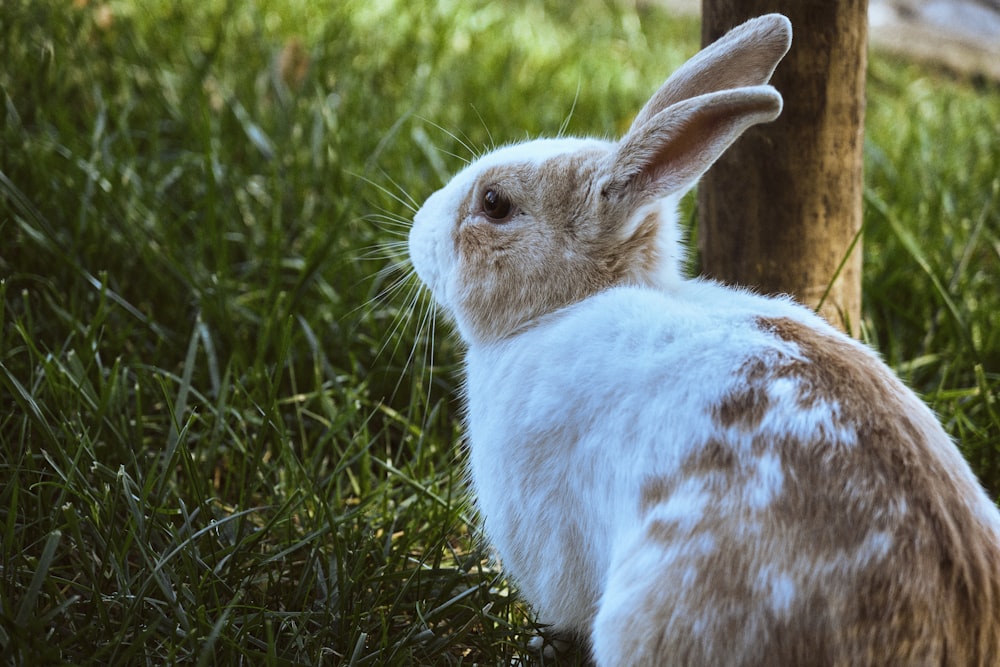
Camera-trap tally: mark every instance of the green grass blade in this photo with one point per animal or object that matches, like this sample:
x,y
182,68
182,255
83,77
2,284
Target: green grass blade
x,y
29,602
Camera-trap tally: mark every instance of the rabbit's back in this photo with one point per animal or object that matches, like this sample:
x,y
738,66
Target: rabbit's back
x,y
757,489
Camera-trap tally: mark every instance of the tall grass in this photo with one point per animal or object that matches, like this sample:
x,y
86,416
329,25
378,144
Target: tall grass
x,y
228,432
932,260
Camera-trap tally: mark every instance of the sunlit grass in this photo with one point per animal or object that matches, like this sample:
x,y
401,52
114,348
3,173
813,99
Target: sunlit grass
x,y
228,426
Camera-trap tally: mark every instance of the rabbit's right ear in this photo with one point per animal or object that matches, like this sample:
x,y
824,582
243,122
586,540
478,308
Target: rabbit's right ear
x,y
745,56
669,153
698,113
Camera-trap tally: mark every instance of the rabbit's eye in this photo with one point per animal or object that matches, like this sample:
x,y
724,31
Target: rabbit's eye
x,y
496,206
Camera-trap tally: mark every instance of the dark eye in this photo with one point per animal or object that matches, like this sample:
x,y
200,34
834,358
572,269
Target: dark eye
x,y
496,206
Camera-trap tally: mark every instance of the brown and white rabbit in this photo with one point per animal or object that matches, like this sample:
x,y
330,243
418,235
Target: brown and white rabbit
x,y
680,472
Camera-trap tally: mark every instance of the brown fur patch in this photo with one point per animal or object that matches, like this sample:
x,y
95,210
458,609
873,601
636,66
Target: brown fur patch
x,y
745,406
833,369
654,492
873,552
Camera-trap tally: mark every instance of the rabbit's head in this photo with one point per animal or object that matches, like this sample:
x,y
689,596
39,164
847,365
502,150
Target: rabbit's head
x,y
531,228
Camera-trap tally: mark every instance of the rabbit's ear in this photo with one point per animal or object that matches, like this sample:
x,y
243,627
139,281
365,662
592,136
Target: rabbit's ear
x,y
671,150
744,56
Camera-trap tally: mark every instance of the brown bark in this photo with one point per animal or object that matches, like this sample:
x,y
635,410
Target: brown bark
x,y
780,210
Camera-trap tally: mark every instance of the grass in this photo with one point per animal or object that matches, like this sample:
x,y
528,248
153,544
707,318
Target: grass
x,y
228,429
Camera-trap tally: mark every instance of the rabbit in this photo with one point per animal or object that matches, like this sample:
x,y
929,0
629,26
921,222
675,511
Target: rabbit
x,y
676,471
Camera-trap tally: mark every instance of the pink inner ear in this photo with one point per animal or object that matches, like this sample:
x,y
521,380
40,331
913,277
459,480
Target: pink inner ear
x,y
673,149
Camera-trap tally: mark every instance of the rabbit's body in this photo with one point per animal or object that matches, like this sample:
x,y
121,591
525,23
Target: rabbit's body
x,y
680,472
752,519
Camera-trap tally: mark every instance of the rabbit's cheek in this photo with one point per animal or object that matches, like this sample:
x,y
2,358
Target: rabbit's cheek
x,y
430,257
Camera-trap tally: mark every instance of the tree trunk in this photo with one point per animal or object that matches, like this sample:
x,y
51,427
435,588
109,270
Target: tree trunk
x,y
781,210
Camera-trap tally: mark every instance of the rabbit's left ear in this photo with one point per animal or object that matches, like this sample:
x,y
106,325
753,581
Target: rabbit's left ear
x,y
672,149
